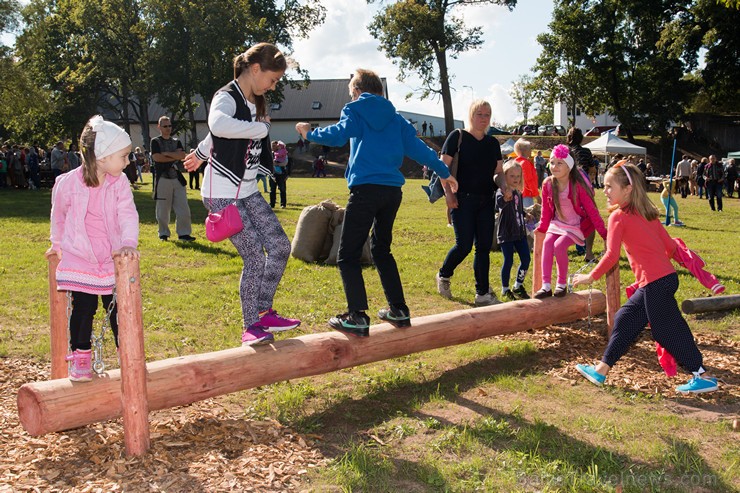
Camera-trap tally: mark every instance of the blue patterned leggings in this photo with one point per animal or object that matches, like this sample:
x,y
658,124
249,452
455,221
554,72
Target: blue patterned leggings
x,y
264,248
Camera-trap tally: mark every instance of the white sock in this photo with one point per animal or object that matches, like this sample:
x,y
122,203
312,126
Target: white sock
x,y
517,285
562,286
547,286
698,372
504,289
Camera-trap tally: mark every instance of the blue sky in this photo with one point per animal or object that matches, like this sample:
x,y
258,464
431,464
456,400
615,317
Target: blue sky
x,y
343,43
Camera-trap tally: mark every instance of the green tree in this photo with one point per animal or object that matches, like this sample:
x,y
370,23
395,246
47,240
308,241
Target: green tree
x,y
193,52
561,71
53,54
713,27
607,53
421,35
523,93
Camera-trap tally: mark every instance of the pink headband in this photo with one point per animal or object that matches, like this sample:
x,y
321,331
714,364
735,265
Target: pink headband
x,y
561,151
629,178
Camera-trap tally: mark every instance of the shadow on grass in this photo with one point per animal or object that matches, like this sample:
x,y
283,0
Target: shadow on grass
x,y
544,445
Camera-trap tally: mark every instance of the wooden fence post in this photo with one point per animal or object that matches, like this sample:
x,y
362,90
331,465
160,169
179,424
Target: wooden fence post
x,y
58,323
539,239
613,296
134,404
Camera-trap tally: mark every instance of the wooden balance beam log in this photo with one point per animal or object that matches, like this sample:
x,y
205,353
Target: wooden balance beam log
x,y
712,304
57,405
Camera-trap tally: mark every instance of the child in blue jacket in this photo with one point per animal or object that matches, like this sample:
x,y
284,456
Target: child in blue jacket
x,y
379,139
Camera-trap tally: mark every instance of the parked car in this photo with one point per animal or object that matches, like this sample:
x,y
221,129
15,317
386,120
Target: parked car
x,y
597,131
525,130
497,131
551,130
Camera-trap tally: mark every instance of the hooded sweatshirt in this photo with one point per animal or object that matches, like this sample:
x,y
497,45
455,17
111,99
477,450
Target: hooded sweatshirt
x,y
379,138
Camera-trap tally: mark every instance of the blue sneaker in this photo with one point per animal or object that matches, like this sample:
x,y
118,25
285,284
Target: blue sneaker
x,y
697,385
591,374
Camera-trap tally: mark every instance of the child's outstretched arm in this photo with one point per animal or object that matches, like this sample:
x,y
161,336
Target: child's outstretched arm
x,y
611,256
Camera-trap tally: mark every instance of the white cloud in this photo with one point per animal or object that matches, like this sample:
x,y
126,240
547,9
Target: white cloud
x,y
343,43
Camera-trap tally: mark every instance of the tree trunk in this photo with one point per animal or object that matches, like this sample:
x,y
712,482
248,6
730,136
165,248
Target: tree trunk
x,y
445,91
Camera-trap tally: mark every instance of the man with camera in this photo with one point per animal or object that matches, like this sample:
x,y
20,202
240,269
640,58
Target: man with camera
x,y
169,183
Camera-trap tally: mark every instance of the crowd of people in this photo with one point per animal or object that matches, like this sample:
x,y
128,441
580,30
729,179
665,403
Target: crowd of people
x,y
489,199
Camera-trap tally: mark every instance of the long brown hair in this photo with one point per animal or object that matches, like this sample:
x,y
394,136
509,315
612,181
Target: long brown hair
x,y
639,202
268,57
87,150
576,179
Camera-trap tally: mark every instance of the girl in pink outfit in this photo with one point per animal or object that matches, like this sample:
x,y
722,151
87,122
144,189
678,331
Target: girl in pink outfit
x,y
93,218
569,215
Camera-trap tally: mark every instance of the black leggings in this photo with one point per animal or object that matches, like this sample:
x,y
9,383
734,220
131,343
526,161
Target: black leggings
x,y
84,306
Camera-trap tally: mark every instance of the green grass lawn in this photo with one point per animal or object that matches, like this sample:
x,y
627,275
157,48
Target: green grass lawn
x,y
480,417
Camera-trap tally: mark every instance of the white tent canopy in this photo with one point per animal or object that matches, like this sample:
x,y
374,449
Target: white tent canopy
x,y
611,144
507,147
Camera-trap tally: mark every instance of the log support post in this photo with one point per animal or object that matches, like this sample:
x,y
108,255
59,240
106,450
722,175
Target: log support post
x,y
58,320
133,363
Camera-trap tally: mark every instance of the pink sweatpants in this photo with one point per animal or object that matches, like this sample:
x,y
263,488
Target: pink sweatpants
x,y
557,245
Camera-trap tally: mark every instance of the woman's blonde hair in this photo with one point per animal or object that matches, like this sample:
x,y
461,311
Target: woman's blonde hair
x,y
475,106
87,150
268,57
639,202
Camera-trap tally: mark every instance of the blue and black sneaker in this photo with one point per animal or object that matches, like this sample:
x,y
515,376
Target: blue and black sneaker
x,y
396,315
353,323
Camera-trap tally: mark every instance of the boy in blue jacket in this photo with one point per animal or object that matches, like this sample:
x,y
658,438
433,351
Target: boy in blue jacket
x,y
379,139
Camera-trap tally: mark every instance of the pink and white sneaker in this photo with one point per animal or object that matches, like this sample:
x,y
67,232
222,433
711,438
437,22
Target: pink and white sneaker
x,y
255,335
272,322
81,368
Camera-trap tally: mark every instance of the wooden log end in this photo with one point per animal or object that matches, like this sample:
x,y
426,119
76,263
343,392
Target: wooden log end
x,y
29,410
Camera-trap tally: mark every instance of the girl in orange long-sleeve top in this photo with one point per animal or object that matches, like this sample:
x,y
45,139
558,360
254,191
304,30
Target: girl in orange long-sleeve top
x,y
634,222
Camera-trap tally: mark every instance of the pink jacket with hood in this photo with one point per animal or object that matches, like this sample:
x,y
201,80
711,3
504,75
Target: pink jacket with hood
x,y
586,209
69,201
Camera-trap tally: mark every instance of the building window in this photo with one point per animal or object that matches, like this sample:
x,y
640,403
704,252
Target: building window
x,y
316,105
275,106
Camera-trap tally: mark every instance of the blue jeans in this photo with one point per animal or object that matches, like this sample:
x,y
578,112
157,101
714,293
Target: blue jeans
x,y
522,249
473,221
369,207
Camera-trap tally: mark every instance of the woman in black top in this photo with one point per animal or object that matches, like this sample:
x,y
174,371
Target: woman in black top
x,y
472,207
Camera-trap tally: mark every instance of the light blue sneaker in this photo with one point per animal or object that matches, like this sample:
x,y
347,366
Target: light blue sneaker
x,y
589,371
697,385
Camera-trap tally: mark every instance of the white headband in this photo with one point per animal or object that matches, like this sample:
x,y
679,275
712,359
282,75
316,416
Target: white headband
x,y
109,137
569,161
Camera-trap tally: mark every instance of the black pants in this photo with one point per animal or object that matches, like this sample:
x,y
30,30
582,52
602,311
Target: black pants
x,y
473,221
278,184
369,207
194,176
84,306
654,303
714,189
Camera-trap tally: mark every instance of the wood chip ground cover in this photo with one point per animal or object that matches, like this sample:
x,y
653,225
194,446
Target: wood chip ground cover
x,y
210,446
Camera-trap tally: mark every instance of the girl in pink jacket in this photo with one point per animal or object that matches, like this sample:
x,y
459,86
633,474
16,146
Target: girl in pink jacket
x,y
93,218
569,215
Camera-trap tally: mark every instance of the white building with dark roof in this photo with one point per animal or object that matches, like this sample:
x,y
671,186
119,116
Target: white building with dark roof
x,y
318,102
